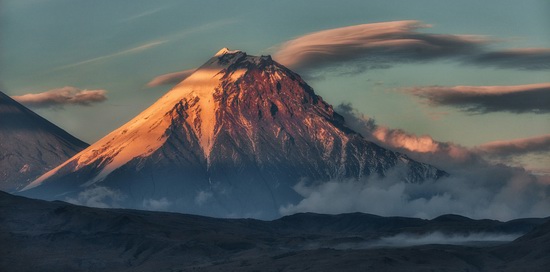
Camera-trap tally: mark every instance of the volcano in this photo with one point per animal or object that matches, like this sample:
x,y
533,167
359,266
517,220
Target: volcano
x,y
30,145
231,140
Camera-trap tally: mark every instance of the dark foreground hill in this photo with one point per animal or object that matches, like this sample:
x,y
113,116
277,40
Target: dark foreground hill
x,y
55,236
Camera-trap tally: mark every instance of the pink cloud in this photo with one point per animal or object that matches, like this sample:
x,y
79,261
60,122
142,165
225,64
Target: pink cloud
x,y
170,78
62,96
442,154
400,139
423,148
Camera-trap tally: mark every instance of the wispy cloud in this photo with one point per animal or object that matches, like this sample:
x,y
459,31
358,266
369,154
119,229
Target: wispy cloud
x,y
530,98
133,50
522,59
203,197
144,14
62,96
176,77
412,239
200,28
99,197
170,78
407,239
161,204
374,46
164,39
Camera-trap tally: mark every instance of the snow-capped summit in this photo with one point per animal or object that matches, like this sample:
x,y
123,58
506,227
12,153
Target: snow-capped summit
x,y
232,139
29,145
226,50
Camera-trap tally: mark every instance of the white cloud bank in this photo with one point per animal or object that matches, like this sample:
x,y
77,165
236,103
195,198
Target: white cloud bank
x,y
501,193
475,188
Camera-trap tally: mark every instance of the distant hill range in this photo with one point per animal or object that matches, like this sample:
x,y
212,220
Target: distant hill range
x,y
38,235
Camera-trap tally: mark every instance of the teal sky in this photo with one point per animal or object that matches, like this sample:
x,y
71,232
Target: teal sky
x,y
119,46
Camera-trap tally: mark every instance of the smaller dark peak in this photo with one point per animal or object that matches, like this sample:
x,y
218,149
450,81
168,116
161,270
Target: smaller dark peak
x,y
266,58
237,59
265,61
241,60
261,62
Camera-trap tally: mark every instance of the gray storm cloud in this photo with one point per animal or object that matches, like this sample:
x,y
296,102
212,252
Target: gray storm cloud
x,y
530,98
62,96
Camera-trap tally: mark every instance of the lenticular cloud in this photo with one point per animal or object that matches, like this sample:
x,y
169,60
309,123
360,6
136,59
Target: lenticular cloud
x,y
357,48
387,42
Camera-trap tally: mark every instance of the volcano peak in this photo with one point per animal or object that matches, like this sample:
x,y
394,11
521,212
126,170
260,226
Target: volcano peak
x,y
225,51
234,138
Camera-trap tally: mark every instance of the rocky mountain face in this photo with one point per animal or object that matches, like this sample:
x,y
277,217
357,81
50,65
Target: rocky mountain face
x,y
30,145
231,140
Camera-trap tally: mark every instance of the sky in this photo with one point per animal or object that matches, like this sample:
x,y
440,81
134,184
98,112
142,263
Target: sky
x,y
470,74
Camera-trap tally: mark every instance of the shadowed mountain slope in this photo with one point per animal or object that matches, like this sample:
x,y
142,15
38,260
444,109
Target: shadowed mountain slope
x,y
30,145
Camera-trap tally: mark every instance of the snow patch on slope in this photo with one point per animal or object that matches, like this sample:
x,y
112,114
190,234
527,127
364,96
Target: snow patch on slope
x,y
203,119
